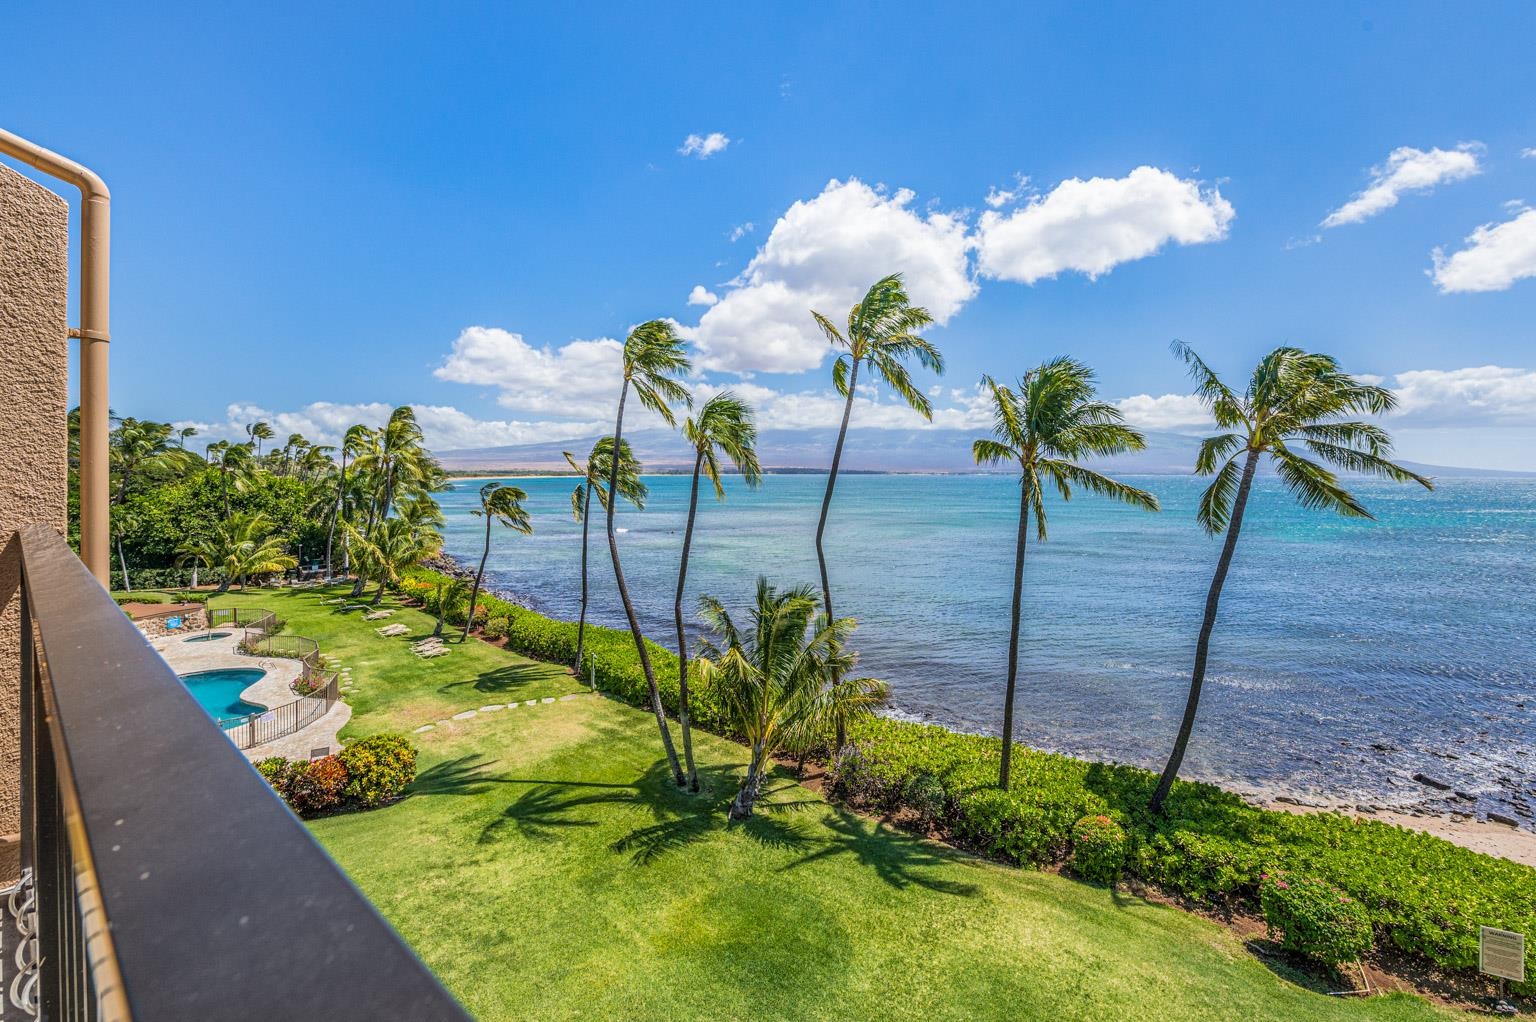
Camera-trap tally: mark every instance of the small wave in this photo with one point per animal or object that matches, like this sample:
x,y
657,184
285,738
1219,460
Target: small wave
x,y
621,531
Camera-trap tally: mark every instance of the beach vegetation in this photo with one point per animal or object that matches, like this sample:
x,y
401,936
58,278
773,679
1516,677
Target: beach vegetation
x,y
501,504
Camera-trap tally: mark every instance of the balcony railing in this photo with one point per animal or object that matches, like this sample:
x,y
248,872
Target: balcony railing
x,y
162,879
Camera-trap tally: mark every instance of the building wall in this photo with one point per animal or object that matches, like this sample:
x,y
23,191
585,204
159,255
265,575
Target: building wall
x,y
34,374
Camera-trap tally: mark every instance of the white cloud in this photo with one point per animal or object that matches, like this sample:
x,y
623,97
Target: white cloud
x,y
704,146
1170,412
702,296
1093,226
822,254
445,428
577,380
1000,197
1529,153
1407,170
742,230
1479,395
1496,256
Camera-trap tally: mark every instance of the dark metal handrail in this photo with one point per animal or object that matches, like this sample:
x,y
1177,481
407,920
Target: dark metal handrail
x,y
163,880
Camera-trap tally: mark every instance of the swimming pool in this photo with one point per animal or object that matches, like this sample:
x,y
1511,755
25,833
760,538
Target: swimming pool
x,y
208,637
219,692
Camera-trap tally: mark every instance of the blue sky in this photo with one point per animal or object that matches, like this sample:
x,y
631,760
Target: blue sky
x,y
322,212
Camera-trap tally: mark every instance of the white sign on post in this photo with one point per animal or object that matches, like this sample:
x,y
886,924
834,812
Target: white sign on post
x,y
1501,953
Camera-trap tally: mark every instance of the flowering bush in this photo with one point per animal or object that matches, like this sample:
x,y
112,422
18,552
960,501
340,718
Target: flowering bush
x,y
379,768
315,787
495,628
277,772
1098,849
1316,919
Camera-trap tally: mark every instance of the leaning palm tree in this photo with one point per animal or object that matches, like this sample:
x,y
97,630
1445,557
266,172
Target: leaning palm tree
x,y
653,359
723,426
502,504
773,676
1294,400
595,481
882,334
394,546
234,464
1051,419
239,547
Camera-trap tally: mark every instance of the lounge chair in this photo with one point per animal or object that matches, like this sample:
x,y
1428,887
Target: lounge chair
x,y
390,631
378,615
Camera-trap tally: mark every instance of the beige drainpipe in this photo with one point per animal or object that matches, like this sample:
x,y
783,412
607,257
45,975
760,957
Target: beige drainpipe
x,y
95,255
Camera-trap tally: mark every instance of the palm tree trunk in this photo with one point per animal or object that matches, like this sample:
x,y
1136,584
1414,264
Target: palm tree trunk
x,y
1005,770
629,606
741,807
841,736
336,513
1207,624
378,597
438,630
474,592
682,635
123,562
581,621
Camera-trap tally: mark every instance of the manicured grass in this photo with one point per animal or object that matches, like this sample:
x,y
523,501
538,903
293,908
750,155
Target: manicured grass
x,y
393,689
545,867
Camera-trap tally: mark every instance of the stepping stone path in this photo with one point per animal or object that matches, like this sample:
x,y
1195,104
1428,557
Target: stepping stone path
x,y
425,728
465,715
549,699
493,707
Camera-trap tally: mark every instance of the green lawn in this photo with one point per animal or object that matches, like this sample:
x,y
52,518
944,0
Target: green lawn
x,y
393,688
545,868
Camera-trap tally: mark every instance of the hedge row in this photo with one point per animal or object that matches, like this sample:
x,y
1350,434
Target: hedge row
x,y
1423,895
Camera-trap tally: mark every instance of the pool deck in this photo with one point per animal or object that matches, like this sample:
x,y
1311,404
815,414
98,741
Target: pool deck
x,y
274,689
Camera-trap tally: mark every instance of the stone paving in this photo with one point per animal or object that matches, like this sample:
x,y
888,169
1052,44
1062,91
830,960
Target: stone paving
x,y
496,707
274,689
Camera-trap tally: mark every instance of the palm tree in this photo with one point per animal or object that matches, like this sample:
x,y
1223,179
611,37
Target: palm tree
x,y
449,595
394,546
259,431
595,480
1052,419
774,678
653,359
140,450
234,464
353,443
239,547
882,334
1293,399
723,426
502,504
184,434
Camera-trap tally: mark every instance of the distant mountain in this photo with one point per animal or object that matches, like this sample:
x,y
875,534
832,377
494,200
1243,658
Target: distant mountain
x,y
867,450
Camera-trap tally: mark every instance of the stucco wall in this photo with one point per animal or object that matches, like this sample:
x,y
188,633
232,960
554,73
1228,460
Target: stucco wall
x,y
34,369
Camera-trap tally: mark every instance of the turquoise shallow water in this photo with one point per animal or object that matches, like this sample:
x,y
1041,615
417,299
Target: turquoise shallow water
x,y
1413,632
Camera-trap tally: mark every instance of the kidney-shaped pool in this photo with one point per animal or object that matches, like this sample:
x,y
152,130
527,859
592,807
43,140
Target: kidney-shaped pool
x,y
219,691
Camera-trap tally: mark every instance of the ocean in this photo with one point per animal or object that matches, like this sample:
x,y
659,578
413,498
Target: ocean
x,y
1348,655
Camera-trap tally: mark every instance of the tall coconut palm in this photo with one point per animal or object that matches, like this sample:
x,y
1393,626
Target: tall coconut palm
x,y
724,425
502,504
140,450
234,464
184,434
882,334
353,443
1051,419
772,677
653,360
259,431
1294,401
595,481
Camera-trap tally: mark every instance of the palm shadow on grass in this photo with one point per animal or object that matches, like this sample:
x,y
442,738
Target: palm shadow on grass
x,y
680,819
899,859
502,680
466,775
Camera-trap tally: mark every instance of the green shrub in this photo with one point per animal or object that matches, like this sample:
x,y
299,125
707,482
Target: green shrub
x,y
496,628
1098,849
924,794
315,787
277,772
1002,825
1316,918
379,768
